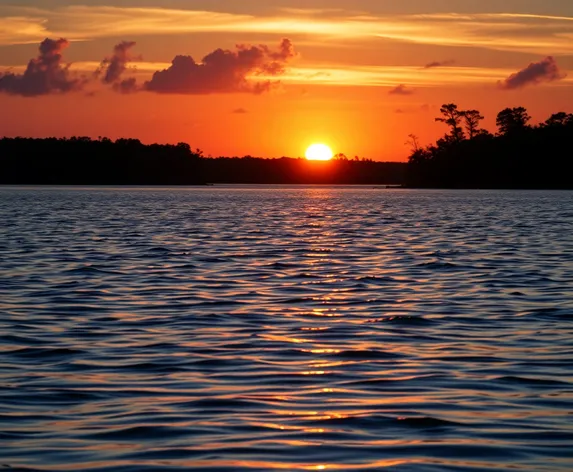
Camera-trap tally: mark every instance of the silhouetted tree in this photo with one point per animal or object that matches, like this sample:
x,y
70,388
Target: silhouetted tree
x,y
414,142
511,120
453,118
472,120
509,160
559,119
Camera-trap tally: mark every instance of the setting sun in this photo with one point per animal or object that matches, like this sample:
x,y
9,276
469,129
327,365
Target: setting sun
x,y
319,152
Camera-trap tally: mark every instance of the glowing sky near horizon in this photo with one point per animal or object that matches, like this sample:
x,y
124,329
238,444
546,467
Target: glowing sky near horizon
x,y
358,75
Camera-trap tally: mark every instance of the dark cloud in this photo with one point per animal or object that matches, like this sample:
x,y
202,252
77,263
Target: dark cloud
x,y
223,71
44,75
114,66
401,90
432,65
126,85
535,73
240,111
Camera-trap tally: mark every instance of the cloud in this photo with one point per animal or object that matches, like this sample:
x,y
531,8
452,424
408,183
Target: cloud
x,y
493,31
535,73
44,75
23,28
326,74
224,71
126,86
240,111
393,76
432,65
401,90
114,66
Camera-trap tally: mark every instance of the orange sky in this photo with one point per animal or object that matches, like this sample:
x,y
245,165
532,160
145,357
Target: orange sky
x,y
358,75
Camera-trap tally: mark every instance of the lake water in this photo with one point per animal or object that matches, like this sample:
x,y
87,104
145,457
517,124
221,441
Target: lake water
x,y
260,329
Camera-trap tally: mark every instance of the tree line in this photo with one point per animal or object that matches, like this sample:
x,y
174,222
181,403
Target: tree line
x,y
86,161
285,170
519,155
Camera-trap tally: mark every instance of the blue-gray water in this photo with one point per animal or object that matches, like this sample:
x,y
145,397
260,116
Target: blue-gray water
x,y
254,329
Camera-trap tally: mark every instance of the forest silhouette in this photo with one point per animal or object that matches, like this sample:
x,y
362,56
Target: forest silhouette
x,y
519,156
285,170
467,156
84,161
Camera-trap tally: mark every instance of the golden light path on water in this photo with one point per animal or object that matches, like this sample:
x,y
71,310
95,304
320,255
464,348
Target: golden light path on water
x,y
256,329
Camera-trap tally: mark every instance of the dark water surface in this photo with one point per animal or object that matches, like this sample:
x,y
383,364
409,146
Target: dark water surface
x,y
254,329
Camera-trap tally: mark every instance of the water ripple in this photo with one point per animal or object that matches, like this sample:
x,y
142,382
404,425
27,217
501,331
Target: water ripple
x,y
256,329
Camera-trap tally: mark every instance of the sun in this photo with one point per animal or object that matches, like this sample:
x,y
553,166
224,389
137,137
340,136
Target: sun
x,y
319,152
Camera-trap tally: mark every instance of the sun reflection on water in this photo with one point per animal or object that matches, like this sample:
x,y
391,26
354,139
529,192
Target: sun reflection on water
x,y
286,329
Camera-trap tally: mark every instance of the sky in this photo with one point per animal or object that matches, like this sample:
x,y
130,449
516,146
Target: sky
x,y
269,78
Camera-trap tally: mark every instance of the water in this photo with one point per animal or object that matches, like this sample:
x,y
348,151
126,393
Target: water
x,y
256,329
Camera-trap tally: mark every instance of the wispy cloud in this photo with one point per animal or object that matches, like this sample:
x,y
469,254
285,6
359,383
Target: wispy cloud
x,y
394,76
527,16
499,31
21,29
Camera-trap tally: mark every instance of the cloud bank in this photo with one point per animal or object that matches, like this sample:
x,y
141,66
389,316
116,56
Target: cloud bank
x,y
535,73
224,71
248,69
44,74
